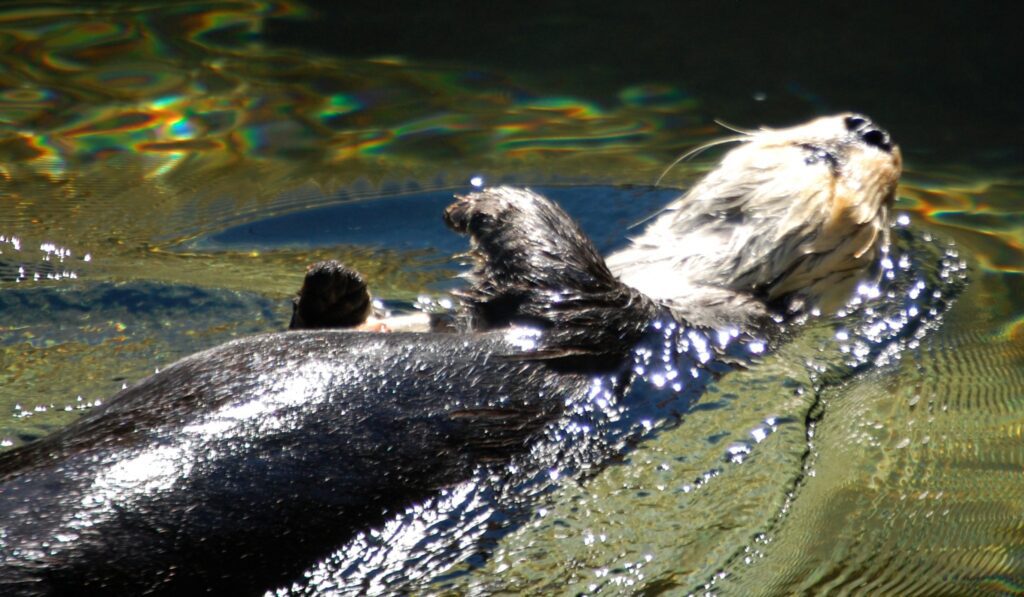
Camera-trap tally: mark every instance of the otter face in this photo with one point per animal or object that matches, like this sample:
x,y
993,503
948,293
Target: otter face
x,y
791,216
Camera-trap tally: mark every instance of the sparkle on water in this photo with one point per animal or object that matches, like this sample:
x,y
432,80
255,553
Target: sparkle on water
x,y
848,458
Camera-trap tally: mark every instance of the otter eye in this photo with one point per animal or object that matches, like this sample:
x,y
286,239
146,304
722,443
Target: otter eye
x,y
817,155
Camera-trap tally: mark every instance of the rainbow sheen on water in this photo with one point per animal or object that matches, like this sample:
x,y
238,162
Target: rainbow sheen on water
x,y
877,452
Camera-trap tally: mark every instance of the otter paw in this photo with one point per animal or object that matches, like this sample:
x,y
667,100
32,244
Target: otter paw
x,y
484,211
333,295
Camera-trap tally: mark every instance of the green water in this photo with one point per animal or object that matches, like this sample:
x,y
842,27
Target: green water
x,y
131,132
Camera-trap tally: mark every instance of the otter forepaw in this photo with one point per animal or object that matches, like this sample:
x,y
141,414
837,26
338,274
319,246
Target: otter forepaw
x,y
477,212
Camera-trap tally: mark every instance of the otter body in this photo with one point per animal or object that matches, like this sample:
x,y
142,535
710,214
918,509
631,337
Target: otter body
x,y
233,470
237,468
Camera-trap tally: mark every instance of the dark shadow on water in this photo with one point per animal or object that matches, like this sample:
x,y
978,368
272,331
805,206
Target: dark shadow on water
x,y
414,221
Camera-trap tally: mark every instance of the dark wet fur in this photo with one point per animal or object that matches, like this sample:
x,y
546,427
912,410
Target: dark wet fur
x,y
373,440
374,423
556,280
332,296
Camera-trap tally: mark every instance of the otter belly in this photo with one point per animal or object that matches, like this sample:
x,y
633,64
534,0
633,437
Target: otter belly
x,y
238,467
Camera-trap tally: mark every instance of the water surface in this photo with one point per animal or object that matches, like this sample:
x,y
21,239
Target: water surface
x,y
168,170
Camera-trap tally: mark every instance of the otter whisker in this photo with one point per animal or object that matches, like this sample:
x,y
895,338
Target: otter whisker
x,y
687,155
649,217
731,127
696,151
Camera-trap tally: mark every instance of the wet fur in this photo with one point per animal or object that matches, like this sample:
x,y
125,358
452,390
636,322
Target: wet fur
x,y
235,469
788,221
557,280
332,296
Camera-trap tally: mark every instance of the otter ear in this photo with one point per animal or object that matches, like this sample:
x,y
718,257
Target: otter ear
x,y
533,265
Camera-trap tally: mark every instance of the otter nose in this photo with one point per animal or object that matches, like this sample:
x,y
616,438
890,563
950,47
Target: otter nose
x,y
868,132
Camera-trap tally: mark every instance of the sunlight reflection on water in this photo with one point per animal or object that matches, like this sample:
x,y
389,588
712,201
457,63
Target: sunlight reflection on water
x,y
131,134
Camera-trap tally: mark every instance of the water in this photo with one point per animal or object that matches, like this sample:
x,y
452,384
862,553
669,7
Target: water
x,y
167,171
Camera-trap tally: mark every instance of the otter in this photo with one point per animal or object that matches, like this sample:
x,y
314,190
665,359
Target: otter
x,y
786,224
237,468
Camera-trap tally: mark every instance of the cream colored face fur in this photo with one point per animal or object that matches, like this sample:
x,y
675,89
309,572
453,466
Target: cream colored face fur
x,y
792,217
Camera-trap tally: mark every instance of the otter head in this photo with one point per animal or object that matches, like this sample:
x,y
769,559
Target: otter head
x,y
791,217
